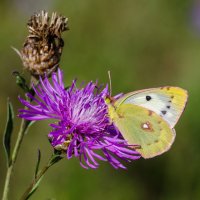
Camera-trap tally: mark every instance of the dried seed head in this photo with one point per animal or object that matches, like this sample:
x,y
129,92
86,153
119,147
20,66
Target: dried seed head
x,y
43,46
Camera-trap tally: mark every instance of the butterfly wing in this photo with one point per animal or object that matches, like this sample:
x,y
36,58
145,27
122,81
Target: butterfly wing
x,y
168,102
143,127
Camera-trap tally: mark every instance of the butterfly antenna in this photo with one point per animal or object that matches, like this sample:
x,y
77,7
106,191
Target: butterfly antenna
x,y
110,83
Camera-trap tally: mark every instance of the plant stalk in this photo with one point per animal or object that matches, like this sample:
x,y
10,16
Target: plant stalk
x,y
35,182
20,136
30,188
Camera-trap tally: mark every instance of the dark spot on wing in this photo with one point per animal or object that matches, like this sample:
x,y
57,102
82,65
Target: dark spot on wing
x,y
163,112
168,107
172,96
156,141
150,112
148,98
120,115
169,101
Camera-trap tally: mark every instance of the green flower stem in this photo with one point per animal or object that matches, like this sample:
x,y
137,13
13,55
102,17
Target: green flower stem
x,y
23,127
35,183
30,188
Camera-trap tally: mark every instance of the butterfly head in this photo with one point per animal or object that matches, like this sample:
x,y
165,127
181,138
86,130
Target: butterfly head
x,y
110,100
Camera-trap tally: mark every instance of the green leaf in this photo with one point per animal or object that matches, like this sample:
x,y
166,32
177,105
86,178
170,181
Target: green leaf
x,y
57,156
8,131
38,163
21,82
34,188
28,125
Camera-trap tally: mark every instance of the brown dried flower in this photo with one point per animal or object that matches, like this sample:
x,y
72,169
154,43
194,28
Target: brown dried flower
x,y
43,46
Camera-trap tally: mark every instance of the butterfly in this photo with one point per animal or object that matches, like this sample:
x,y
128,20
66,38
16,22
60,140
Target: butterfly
x,y
146,118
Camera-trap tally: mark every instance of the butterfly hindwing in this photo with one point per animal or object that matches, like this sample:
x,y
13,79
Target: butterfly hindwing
x,y
143,127
168,102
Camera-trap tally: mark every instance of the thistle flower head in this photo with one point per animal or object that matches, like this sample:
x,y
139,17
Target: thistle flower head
x,y
82,128
43,46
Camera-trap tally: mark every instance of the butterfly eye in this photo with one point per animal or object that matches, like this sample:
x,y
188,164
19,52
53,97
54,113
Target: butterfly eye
x,y
148,98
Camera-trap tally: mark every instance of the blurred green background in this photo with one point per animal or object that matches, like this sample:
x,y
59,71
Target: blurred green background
x,y
144,44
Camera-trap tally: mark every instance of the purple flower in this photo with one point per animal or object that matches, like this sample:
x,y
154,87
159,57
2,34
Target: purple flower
x,y
82,127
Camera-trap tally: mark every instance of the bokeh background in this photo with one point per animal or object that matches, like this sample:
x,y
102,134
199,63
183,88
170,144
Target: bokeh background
x,y
144,44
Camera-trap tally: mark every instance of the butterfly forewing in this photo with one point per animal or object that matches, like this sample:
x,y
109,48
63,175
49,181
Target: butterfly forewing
x,y
143,127
168,102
